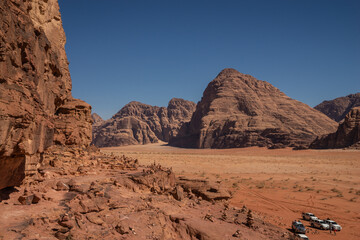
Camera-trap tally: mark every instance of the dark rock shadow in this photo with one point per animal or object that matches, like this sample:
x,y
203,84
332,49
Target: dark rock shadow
x,y
5,193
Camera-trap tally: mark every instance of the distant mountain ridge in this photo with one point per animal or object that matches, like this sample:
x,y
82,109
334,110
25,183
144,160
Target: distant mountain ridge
x,y
346,136
338,108
139,123
97,120
237,110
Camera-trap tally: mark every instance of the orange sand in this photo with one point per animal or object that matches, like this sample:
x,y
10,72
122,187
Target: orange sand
x,y
277,184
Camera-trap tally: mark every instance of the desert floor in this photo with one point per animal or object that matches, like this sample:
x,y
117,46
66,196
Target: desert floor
x,y
277,184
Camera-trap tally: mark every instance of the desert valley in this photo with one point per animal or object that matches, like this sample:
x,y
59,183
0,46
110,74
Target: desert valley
x,y
242,163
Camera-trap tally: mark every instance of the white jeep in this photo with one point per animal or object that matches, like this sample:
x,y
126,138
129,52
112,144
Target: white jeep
x,y
302,237
333,224
308,216
320,224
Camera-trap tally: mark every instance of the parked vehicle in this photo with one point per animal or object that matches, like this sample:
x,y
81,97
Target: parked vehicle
x,y
320,224
298,227
302,237
308,216
333,224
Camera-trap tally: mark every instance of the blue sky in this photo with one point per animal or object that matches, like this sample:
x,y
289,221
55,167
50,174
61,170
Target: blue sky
x,y
151,51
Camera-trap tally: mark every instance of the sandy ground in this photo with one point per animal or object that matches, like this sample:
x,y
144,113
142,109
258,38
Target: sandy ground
x,y
277,184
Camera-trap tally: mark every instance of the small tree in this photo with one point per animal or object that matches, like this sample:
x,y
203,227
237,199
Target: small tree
x,y
249,219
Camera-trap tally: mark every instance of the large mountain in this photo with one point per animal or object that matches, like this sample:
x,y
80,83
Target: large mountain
x,y
237,110
139,123
338,108
347,134
36,106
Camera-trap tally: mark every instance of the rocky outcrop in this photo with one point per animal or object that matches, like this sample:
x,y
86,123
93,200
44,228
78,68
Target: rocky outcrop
x,y
347,135
74,196
73,123
237,110
36,105
139,123
338,108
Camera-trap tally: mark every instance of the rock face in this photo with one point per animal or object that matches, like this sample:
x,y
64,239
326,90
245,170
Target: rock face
x,y
97,120
73,123
138,123
237,110
36,106
347,135
338,108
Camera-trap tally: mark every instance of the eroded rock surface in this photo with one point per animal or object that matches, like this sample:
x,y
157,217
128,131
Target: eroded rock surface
x,y
35,88
338,108
139,123
347,134
79,193
237,110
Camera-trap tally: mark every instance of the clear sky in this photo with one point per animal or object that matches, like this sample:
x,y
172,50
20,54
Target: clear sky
x,y
151,51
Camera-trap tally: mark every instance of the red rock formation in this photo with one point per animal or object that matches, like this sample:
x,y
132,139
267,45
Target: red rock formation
x,y
338,108
35,88
347,135
75,197
138,123
178,112
238,110
73,123
97,120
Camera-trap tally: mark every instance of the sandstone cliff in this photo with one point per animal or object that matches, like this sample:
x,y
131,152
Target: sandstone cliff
x,y
237,110
338,108
138,123
36,106
347,135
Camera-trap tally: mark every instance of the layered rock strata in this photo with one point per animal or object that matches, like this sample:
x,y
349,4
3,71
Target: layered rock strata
x,y
97,120
138,123
35,88
237,110
347,134
338,108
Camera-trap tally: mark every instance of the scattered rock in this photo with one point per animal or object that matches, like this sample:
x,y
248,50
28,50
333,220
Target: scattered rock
x,y
29,199
249,219
209,217
157,178
179,193
60,186
204,189
237,234
94,218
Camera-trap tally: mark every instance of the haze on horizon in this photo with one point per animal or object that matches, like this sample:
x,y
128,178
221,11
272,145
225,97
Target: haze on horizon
x,y
152,51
